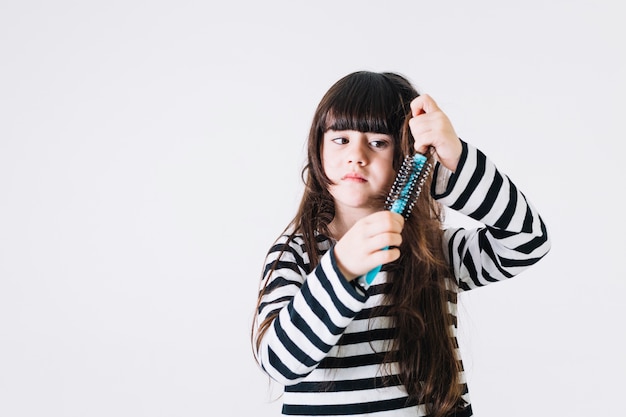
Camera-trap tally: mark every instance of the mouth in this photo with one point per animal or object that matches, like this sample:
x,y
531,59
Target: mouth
x,y
353,176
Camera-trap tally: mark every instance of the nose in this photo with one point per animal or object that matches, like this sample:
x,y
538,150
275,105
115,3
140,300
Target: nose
x,y
357,155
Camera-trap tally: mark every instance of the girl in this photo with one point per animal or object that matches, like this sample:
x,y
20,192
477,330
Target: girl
x,y
390,349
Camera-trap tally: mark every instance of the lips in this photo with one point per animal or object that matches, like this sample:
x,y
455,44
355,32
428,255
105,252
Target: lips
x,y
353,176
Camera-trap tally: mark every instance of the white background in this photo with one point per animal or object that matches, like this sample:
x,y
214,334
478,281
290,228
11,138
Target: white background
x,y
150,152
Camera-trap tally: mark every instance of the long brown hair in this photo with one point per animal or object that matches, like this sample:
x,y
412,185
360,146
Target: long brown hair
x,y
420,287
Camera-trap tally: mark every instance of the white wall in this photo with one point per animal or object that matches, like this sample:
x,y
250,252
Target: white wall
x,y
150,152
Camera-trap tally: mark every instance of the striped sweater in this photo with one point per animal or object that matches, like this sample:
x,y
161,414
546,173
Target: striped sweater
x,y
324,330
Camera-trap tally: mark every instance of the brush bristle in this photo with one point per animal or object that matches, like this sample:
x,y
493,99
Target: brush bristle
x,y
408,184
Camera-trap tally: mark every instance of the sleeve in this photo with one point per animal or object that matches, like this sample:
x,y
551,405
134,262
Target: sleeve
x,y
514,236
311,312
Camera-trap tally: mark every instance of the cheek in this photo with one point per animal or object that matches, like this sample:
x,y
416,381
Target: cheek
x,y
391,177
324,159
329,165
385,165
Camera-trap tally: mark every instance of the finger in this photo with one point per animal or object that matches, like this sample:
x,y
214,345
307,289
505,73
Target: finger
x,y
384,221
391,221
382,242
398,221
385,256
423,104
421,134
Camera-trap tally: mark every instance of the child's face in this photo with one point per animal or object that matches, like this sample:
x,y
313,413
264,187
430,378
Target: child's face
x,y
360,167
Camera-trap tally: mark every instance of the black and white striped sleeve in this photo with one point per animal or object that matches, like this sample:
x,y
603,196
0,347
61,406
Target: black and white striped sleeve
x,y
313,310
514,236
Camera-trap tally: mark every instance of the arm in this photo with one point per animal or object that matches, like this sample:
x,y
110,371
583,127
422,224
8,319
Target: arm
x,y
514,237
311,311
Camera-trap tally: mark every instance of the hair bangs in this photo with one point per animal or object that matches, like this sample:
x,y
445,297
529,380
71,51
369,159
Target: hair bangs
x,y
365,103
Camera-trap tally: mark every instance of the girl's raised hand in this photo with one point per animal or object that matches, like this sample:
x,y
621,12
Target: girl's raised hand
x,y
362,247
433,132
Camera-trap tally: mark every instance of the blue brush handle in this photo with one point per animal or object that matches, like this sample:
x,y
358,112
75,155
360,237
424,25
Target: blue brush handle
x,y
366,280
369,277
398,206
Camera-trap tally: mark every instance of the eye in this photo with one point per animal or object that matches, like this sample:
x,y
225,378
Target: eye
x,y
379,143
340,140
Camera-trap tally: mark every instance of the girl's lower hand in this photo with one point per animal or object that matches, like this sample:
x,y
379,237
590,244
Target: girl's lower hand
x,y
433,132
362,248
